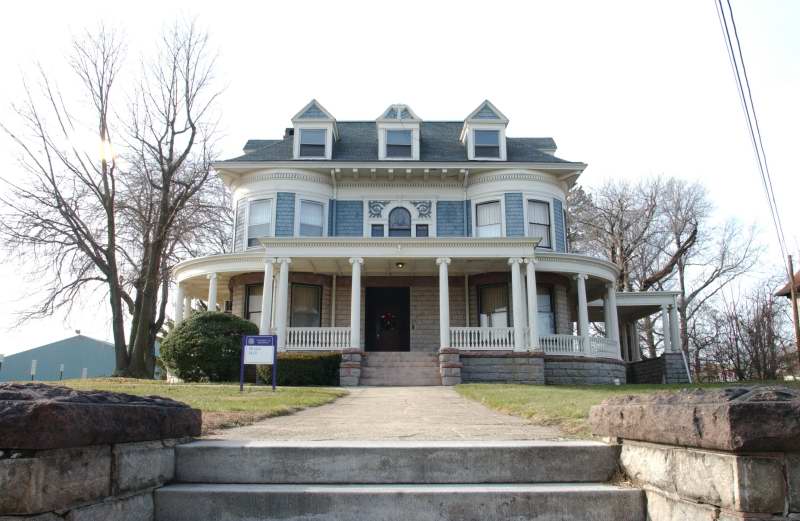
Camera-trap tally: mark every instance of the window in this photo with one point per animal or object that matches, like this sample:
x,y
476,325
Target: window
x,y
545,318
259,221
311,218
399,223
539,222
493,305
487,143
312,142
306,306
398,143
488,219
422,230
252,303
377,230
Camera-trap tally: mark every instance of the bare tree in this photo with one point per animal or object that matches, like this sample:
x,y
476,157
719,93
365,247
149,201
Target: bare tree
x,y
118,216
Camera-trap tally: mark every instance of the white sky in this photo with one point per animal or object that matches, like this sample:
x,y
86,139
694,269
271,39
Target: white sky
x,y
633,88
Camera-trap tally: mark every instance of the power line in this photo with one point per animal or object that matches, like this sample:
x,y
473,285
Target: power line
x,y
746,97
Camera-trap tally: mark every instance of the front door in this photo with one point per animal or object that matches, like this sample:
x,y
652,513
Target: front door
x,y
387,325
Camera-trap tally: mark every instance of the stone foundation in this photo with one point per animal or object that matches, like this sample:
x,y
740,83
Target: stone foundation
x,y
575,370
86,456
668,368
450,366
507,367
716,455
350,367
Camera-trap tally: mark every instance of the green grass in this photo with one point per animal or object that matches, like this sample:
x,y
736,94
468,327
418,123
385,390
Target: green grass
x,y
565,407
222,404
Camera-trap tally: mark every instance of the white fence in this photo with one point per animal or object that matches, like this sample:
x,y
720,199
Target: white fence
x,y
502,339
317,338
482,338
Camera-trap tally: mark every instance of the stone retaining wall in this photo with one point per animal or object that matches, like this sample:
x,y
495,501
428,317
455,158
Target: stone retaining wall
x,y
508,367
569,370
668,368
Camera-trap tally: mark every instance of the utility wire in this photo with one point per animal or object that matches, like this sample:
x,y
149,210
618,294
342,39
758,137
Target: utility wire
x,y
730,35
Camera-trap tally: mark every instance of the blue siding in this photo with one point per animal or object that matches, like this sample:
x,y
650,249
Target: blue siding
x,y
331,217
349,218
560,229
515,217
284,216
468,216
450,218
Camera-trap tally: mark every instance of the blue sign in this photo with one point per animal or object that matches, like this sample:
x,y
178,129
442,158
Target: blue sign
x,y
260,350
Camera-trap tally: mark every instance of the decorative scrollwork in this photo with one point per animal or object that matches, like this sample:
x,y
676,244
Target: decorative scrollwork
x,y
423,208
376,208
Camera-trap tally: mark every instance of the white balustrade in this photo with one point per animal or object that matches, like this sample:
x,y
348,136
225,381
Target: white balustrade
x,y
502,339
317,338
602,347
482,338
570,345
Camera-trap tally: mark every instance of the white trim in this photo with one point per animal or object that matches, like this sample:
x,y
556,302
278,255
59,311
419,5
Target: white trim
x,y
384,218
501,133
412,126
298,129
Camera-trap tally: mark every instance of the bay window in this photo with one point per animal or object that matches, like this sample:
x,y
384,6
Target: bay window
x,y
311,218
488,219
539,222
259,221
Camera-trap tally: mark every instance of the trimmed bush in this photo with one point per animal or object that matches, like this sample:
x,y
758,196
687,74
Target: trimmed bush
x,y
304,369
206,347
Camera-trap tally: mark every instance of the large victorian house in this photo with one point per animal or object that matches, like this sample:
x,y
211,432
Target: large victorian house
x,y
427,252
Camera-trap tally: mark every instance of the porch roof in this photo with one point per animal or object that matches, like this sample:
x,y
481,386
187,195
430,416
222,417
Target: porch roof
x,y
634,305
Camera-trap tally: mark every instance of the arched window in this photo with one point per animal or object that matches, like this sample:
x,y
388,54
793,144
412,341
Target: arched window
x,y
399,223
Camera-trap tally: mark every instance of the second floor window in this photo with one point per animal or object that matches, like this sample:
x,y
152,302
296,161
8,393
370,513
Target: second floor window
x,y
398,143
312,142
259,221
487,144
399,223
488,219
539,222
311,219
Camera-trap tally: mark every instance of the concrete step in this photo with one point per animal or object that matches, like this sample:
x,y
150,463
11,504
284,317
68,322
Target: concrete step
x,y
399,382
400,363
404,371
429,462
234,502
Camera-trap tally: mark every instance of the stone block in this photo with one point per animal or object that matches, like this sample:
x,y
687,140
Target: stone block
x,y
133,508
41,517
54,479
348,381
793,475
663,508
138,466
737,419
451,380
451,371
35,416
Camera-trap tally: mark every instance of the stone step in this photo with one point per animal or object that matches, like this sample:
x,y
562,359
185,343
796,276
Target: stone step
x,y
233,502
405,371
399,382
392,462
402,357
400,363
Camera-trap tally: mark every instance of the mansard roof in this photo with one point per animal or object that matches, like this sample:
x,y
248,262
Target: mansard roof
x,y
439,142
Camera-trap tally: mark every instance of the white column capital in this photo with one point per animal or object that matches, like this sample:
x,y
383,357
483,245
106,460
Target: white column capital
x,y
580,276
442,260
531,260
270,260
356,260
211,276
515,260
611,286
284,260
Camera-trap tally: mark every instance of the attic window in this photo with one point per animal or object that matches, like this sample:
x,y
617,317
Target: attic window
x,y
487,144
398,143
312,142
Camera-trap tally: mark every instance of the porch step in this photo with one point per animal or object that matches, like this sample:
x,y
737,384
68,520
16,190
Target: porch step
x,y
282,462
466,502
406,368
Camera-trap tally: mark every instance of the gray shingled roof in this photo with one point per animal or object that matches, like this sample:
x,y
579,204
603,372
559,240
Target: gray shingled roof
x,y
439,141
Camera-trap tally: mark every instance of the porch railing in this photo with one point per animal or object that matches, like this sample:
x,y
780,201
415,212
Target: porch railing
x,y
602,347
482,338
570,345
317,338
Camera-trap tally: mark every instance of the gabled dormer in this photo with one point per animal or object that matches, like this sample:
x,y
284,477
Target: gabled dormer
x,y
314,132
484,133
398,134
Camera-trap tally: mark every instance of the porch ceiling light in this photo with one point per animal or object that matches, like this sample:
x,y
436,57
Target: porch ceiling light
x,y
399,265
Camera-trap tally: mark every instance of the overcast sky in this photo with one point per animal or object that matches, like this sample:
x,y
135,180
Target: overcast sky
x,y
635,88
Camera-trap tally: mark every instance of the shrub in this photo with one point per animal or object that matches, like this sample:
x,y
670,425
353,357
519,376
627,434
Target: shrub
x,y
304,369
206,347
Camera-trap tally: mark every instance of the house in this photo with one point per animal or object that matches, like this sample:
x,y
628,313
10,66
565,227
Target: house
x,y
81,357
426,251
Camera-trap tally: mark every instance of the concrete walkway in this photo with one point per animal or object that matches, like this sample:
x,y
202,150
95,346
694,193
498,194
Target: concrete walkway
x,y
395,413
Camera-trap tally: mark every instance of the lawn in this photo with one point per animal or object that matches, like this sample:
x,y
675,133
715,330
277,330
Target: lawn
x,y
223,405
565,407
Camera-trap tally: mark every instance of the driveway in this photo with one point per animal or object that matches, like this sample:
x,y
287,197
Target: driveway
x,y
395,413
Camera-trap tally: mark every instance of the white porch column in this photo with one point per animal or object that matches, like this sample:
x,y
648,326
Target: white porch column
x,y
355,303
636,349
612,321
466,300
444,302
179,303
282,304
520,342
583,308
533,310
626,354
666,329
212,292
333,300
266,298
187,306
675,327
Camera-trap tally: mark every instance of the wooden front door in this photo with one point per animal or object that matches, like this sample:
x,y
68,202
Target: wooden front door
x,y
387,322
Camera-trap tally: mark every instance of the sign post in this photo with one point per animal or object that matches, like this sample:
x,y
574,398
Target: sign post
x,y
261,350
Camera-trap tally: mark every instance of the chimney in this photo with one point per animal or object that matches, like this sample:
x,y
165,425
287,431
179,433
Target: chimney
x,y
288,133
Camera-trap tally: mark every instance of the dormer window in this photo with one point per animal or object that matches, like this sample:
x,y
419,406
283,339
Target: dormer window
x,y
487,144
312,142
398,144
